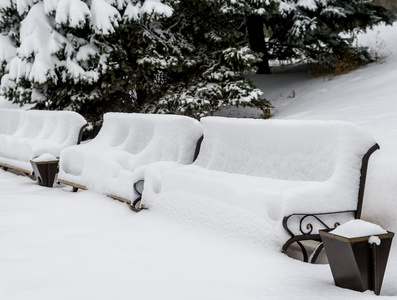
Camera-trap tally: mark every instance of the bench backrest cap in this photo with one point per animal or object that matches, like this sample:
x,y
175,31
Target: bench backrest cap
x,y
9,120
282,149
152,136
60,127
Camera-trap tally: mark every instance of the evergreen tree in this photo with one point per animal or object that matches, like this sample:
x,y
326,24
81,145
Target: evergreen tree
x,y
183,57
322,30
94,56
214,61
9,38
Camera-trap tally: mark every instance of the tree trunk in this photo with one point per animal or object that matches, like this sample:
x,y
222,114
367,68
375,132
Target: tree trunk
x,y
256,39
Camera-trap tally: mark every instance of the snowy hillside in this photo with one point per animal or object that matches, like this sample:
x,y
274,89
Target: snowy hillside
x,y
55,244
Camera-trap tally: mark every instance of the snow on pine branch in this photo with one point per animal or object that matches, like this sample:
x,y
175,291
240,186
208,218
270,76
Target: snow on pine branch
x,y
151,8
334,12
50,6
104,17
287,6
302,25
7,49
257,7
73,13
86,51
38,41
310,4
4,4
22,6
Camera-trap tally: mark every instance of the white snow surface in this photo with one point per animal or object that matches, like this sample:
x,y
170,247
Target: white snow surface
x,y
358,228
45,157
61,245
126,142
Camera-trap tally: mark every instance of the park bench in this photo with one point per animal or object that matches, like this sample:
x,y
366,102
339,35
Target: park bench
x,y
126,142
26,136
307,175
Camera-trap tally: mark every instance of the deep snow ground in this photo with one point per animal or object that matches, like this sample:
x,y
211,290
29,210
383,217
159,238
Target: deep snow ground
x,y
56,244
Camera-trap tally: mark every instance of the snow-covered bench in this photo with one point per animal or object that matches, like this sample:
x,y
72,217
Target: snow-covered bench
x,y
27,135
127,142
290,171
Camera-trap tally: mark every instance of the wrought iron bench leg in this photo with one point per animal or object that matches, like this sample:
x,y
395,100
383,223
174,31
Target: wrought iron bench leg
x,y
136,205
316,253
296,240
304,252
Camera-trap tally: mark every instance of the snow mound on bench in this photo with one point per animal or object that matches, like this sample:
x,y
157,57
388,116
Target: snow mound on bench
x,y
280,149
358,228
35,133
125,143
270,168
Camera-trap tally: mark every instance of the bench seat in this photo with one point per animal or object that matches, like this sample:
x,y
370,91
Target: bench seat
x,y
259,195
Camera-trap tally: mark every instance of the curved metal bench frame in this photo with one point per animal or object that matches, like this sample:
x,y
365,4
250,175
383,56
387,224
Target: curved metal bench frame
x,y
306,220
136,204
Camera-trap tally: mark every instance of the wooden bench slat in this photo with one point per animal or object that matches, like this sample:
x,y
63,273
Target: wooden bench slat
x,y
27,172
75,185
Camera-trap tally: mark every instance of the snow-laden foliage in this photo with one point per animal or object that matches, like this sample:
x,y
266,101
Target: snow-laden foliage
x,y
71,12
7,51
213,64
164,56
126,55
321,29
9,37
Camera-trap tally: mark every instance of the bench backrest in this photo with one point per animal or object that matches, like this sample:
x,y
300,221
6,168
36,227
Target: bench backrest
x,y
150,137
58,127
9,120
283,149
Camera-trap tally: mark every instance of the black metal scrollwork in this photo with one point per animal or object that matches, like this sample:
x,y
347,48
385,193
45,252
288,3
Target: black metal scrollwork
x,y
307,221
309,226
